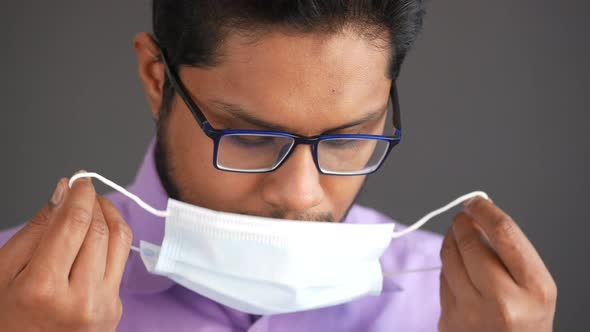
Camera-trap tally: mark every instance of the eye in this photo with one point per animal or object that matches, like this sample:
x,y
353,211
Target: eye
x,y
251,140
341,143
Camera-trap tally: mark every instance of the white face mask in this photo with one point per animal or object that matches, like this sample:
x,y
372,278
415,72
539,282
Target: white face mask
x,y
269,266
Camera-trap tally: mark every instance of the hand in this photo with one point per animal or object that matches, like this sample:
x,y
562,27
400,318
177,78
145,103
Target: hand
x,y
492,277
62,271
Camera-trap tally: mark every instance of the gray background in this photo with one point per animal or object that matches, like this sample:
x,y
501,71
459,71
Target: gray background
x,y
494,97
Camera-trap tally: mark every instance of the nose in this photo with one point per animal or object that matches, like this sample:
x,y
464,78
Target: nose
x,y
295,186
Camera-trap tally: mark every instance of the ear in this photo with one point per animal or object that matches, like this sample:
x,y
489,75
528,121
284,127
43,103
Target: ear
x,y
151,70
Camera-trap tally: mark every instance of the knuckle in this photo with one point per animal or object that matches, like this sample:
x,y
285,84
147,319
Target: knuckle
x,y
41,219
547,294
85,316
468,243
99,227
507,316
40,294
84,310
503,225
78,217
116,310
123,231
42,216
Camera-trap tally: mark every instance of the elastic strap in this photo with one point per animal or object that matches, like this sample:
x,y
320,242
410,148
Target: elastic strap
x,y
424,269
133,197
122,190
434,213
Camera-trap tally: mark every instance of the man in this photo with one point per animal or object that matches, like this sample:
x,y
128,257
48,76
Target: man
x,y
307,68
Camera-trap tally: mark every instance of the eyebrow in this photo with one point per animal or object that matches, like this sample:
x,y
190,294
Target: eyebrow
x,y
244,115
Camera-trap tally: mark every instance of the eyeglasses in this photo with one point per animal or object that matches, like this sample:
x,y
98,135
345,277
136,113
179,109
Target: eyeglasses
x,y
261,151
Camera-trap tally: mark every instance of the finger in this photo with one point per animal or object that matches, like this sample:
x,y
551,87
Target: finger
x,y
89,266
61,242
17,251
447,303
483,266
512,246
120,238
454,270
447,299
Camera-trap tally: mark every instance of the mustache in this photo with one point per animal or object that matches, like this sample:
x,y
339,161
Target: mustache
x,y
282,214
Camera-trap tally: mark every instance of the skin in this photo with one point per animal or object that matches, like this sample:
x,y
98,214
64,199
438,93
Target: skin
x,y
63,270
303,84
492,278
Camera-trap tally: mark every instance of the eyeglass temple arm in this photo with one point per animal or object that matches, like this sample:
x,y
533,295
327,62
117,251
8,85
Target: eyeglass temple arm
x,y
197,114
397,118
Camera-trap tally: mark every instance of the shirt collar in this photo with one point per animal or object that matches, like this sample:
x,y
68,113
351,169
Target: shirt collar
x,y
147,227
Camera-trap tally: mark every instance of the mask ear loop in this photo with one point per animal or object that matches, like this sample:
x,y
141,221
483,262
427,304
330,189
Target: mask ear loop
x,y
423,221
133,197
436,212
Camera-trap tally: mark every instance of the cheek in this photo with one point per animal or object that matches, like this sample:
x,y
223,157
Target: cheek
x,y
190,154
341,192
189,148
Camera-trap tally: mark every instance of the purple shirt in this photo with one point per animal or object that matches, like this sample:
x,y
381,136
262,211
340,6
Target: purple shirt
x,y
152,303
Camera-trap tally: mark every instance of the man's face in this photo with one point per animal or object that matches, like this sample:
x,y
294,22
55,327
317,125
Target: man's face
x,y
307,84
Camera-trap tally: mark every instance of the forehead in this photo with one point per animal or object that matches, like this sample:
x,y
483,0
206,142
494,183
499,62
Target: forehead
x,y
329,76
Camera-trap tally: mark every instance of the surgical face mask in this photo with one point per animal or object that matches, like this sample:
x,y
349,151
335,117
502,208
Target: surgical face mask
x,y
269,266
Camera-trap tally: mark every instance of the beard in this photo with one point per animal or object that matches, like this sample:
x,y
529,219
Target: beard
x,y
161,157
165,170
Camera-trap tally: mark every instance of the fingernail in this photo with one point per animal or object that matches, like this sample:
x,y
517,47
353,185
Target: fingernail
x,y
83,178
468,202
58,194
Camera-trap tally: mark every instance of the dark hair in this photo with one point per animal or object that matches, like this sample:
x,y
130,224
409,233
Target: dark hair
x,y
192,31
